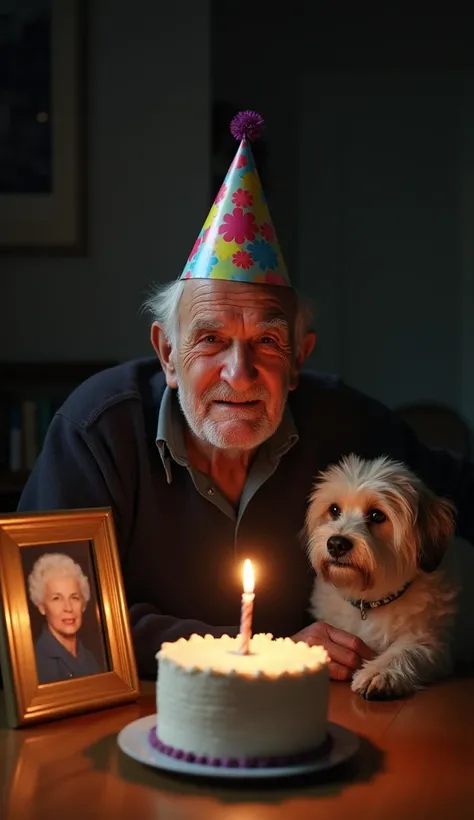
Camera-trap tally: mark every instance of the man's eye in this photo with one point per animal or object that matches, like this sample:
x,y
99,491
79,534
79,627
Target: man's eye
x,y
267,340
210,339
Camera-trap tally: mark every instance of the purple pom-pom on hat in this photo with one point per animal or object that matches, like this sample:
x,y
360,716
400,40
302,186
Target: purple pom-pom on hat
x,y
239,198
247,125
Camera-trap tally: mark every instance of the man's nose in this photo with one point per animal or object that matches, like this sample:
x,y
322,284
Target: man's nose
x,y
239,370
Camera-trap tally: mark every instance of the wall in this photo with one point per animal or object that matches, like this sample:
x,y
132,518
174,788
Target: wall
x,y
380,230
149,87
262,75
149,140
373,204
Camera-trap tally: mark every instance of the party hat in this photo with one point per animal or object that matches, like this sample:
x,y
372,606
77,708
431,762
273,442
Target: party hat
x,y
238,240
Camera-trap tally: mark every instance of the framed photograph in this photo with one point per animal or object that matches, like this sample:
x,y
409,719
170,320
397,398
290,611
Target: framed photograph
x,y
42,127
65,639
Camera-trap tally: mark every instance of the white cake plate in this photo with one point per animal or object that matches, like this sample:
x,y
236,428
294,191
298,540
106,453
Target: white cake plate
x,y
133,740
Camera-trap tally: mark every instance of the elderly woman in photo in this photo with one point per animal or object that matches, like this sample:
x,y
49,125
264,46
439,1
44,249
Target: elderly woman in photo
x,y
59,589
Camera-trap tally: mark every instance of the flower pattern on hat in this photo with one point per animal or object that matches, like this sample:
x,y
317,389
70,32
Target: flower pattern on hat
x,y
238,240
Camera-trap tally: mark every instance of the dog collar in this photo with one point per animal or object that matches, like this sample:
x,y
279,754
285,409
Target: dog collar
x,y
365,605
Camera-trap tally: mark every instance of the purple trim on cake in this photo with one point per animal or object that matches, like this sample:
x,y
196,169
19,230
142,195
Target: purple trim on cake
x,y
236,762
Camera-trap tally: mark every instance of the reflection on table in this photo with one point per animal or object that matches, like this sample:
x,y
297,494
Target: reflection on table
x,y
416,760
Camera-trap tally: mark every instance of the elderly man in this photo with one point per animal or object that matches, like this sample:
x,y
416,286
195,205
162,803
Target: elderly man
x,y
207,453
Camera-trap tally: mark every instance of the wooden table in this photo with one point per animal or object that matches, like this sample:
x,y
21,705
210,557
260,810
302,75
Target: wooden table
x,y
416,761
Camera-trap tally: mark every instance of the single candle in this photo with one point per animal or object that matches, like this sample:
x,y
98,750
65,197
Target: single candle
x,y
247,608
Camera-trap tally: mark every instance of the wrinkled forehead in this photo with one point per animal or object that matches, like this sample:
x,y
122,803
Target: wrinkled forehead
x,y
233,303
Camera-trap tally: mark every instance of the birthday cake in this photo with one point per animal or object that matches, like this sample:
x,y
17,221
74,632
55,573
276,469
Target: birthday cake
x,y
220,707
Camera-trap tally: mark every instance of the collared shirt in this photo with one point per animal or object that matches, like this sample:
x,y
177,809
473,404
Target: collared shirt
x,y
171,446
55,663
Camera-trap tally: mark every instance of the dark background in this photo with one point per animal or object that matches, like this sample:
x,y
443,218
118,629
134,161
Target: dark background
x,y
25,69
368,166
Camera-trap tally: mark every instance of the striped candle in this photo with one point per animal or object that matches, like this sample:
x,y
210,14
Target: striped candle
x,y
246,612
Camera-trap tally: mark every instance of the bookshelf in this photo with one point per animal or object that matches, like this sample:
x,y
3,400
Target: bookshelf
x,y
30,394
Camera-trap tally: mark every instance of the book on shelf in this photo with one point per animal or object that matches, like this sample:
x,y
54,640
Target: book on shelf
x,y
30,395
23,427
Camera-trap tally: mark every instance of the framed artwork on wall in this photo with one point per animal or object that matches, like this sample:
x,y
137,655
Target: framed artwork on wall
x,y
42,127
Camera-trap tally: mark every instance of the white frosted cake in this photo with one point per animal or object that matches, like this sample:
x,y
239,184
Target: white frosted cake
x,y
220,707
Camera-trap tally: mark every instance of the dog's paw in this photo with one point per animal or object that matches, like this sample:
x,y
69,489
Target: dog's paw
x,y
372,683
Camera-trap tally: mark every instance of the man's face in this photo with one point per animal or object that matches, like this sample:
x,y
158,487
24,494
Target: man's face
x,y
234,361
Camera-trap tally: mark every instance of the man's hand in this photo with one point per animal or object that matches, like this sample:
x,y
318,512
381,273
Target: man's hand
x,y
347,652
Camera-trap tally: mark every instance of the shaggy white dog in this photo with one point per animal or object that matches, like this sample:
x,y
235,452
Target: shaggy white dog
x,y
376,536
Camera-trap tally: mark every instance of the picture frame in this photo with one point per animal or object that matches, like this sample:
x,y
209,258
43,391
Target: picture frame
x,y
65,636
43,128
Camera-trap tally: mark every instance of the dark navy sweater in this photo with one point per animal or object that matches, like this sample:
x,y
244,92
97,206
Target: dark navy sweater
x,y
180,554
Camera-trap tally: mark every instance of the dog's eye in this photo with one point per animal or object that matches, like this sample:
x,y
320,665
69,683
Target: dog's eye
x,y
376,517
334,511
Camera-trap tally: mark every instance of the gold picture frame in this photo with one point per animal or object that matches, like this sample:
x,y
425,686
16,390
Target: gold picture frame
x,y
87,538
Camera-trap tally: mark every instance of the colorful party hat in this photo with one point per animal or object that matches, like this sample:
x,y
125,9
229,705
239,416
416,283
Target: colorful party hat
x,y
238,240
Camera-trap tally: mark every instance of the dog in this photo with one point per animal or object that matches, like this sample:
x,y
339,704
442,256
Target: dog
x,y
376,536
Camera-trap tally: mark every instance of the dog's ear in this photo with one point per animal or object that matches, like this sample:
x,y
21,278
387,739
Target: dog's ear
x,y
435,527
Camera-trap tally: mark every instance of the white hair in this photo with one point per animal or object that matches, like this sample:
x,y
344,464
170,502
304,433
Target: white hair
x,y
163,304
57,565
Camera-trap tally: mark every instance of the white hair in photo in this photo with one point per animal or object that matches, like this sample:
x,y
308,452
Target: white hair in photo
x,y
55,565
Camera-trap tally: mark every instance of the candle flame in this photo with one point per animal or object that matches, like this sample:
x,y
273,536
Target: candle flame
x,y
249,580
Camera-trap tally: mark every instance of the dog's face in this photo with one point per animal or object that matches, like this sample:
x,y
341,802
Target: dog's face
x,y
372,524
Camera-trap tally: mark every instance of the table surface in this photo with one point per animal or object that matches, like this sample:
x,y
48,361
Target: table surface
x,y
416,760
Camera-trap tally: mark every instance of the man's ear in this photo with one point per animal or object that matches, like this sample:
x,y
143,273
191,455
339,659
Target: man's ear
x,y
165,353
306,349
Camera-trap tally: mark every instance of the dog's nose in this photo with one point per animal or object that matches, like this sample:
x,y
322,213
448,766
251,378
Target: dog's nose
x,y
338,545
